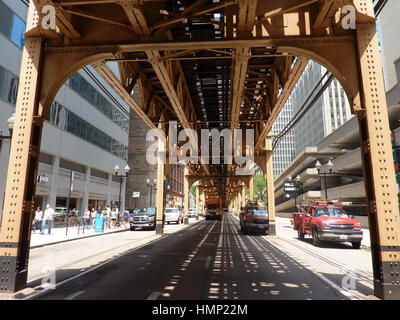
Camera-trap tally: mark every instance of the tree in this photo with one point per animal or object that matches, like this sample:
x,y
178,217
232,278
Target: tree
x,y
193,191
259,187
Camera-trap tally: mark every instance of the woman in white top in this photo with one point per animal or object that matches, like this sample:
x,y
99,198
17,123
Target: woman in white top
x,y
37,221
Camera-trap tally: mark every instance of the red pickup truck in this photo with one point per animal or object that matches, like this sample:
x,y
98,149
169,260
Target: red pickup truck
x,y
327,223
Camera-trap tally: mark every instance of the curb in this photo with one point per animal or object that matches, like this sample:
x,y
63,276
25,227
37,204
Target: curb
x,y
73,239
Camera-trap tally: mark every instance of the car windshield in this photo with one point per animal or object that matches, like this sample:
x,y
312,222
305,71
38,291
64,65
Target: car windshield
x,y
212,207
146,211
171,210
330,212
257,212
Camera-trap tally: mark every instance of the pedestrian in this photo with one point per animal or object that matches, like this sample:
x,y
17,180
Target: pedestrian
x,y
114,218
38,219
108,217
94,215
86,218
104,216
48,218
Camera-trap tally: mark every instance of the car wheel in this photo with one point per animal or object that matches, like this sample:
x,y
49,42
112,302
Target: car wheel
x,y
132,228
316,241
300,234
356,245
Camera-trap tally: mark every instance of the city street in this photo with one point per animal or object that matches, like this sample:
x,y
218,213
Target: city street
x,y
207,260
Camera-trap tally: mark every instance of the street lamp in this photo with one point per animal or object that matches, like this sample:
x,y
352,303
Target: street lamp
x,y
10,125
116,170
318,166
151,186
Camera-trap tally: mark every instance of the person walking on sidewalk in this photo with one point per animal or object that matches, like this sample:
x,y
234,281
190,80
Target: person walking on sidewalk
x,y
108,217
114,218
48,218
86,218
94,215
38,220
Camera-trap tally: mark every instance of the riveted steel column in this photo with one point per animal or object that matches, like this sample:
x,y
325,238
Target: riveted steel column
x,y
186,195
379,176
243,196
197,202
22,170
251,188
269,178
160,190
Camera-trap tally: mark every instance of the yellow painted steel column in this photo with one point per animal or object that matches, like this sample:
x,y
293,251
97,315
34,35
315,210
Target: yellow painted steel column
x,y
243,197
377,156
251,188
197,202
22,170
160,191
186,195
269,178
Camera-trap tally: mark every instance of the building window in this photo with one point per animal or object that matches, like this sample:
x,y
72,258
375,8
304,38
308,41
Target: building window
x,y
8,86
66,120
87,91
11,25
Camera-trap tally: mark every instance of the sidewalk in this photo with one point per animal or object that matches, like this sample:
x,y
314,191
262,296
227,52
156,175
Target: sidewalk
x,y
59,235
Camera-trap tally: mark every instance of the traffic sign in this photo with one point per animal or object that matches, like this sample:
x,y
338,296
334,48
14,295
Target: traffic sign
x,y
135,194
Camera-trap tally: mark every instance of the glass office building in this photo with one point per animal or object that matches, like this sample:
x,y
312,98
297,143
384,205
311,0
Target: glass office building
x,y
86,132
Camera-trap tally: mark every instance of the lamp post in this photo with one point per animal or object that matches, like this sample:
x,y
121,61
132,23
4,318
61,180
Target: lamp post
x,y
116,170
151,186
324,174
10,125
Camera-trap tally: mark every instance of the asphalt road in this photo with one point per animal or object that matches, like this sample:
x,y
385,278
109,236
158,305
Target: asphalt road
x,y
209,260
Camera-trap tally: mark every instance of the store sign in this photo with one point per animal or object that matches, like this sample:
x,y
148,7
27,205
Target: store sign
x,y
135,194
43,178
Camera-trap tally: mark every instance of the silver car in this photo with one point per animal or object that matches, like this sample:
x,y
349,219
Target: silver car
x,y
173,215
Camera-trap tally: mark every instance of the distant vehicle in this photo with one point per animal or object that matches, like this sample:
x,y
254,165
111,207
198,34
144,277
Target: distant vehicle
x,y
173,215
192,213
213,208
60,211
144,218
327,223
254,218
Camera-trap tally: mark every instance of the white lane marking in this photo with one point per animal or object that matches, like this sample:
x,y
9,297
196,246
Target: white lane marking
x,y
207,265
153,296
74,295
42,292
311,269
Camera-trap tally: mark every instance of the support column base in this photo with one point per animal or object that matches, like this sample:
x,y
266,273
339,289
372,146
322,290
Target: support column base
x,y
185,220
386,291
272,229
159,229
12,281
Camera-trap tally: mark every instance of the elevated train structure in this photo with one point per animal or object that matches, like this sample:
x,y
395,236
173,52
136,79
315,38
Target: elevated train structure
x,y
207,64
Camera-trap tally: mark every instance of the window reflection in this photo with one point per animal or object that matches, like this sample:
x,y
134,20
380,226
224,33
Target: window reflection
x,y
66,120
87,91
8,86
11,25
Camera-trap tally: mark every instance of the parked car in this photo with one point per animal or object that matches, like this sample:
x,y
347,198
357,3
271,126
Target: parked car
x,y
144,218
327,223
192,213
254,218
173,215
